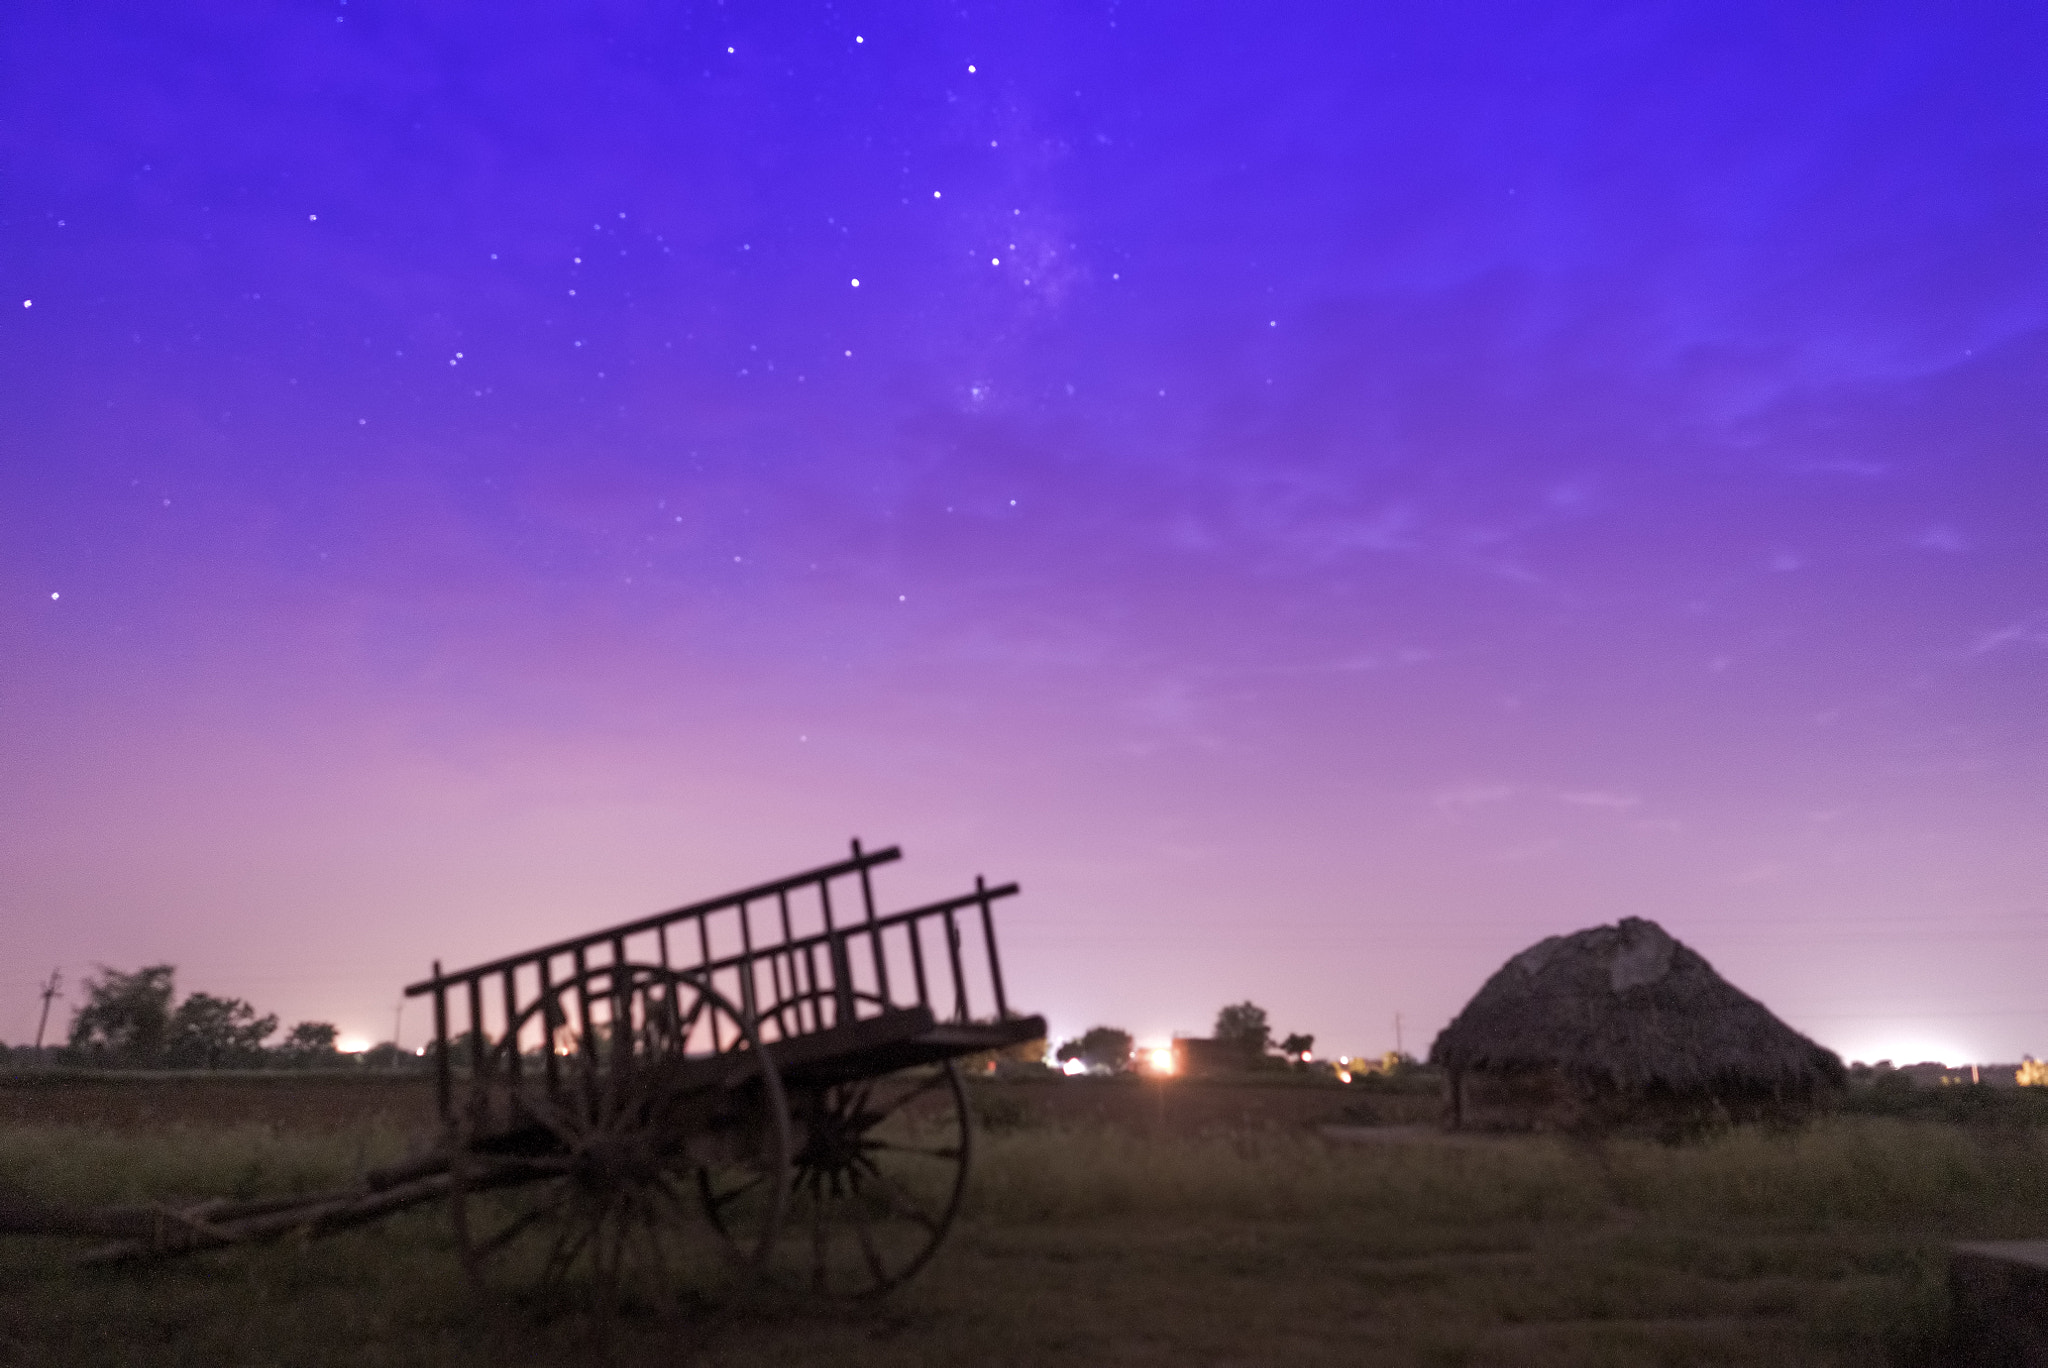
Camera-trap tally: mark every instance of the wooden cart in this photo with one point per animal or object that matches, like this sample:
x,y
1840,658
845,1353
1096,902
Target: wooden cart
x,y
764,1081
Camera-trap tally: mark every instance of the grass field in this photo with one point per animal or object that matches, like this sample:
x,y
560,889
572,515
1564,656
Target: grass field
x,y
1106,1245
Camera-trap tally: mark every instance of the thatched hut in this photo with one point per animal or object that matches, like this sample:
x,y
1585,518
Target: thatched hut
x,y
1622,1024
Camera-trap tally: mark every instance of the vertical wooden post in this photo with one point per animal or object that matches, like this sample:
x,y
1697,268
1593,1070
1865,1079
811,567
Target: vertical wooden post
x,y
867,898
443,1090
479,1062
953,956
988,936
512,1025
747,995
915,929
836,958
549,1023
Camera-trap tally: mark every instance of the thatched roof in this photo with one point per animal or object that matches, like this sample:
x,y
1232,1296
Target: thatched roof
x,y
1629,1007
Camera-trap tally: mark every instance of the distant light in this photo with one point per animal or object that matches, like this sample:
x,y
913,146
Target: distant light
x,y
1074,1068
995,261
858,39
935,194
312,218
728,49
856,285
28,303
1161,1059
53,598
970,68
351,1045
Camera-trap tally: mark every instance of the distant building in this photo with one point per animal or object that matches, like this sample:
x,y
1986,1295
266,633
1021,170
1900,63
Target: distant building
x,y
1203,1057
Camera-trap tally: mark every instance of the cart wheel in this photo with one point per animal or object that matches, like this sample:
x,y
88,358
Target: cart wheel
x,y
591,1191
877,1180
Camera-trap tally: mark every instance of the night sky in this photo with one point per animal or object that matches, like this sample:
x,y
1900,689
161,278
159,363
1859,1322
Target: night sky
x,y
1323,495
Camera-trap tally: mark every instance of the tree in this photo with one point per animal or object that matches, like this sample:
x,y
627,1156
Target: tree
x,y
1102,1047
126,1018
1244,1025
209,1031
1297,1045
310,1041
386,1055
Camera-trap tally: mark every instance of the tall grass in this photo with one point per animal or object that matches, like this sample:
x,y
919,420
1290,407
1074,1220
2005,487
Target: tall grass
x,y
74,1164
1821,1246
1898,1172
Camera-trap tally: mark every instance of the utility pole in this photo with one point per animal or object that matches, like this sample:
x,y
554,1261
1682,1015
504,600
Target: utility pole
x,y
50,990
397,1015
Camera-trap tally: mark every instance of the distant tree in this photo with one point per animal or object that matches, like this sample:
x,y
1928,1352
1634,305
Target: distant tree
x,y
310,1042
1103,1047
1025,1051
312,1035
387,1056
1244,1025
462,1047
1297,1045
126,1018
208,1031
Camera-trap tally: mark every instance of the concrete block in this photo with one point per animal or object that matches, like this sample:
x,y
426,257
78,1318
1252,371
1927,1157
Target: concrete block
x,y
1998,1296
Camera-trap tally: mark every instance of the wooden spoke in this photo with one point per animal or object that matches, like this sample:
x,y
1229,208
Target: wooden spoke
x,y
878,1173
587,1192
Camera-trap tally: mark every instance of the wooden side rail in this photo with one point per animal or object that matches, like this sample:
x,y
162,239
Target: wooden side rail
x,y
824,874
790,970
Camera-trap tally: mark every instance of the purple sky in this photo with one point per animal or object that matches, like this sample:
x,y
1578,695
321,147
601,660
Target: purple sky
x,y
1323,497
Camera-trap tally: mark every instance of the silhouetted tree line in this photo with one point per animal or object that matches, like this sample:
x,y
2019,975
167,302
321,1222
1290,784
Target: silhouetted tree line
x,y
1242,1026
135,1021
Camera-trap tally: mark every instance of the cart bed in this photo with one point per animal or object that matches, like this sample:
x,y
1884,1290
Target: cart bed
x,y
834,989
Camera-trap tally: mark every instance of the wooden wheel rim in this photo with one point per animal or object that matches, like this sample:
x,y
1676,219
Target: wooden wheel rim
x,y
596,1191
874,1191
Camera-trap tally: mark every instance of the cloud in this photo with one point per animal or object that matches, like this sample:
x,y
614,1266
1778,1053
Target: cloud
x,y
1459,799
1366,661
1865,470
2031,630
1599,798
1530,850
